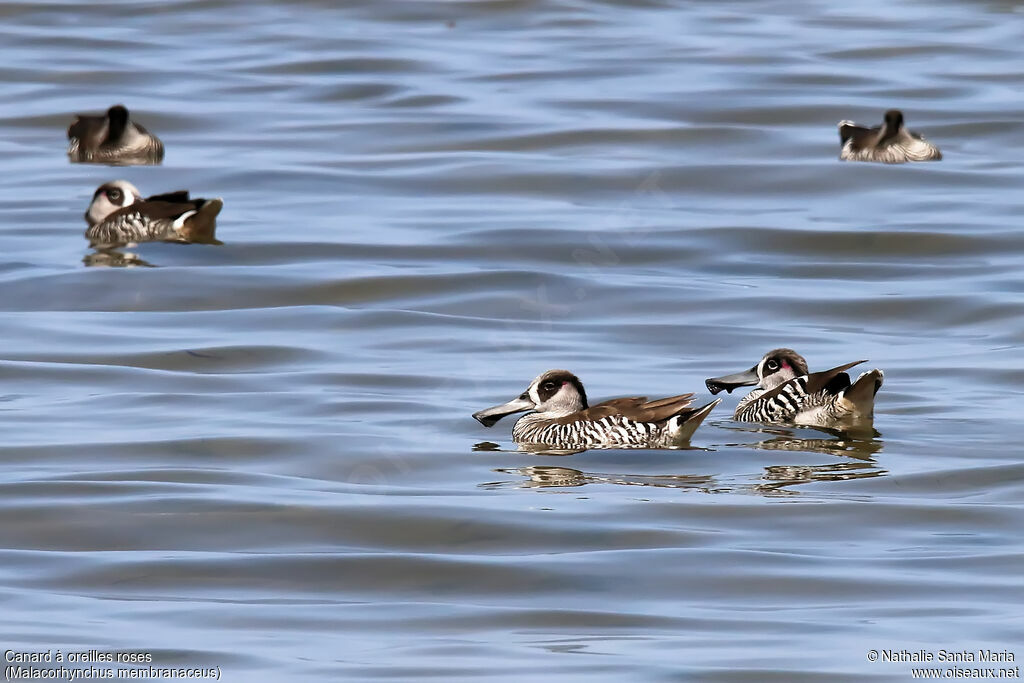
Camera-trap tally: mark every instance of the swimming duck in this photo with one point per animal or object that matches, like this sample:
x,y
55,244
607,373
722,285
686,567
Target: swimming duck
x,y
112,138
561,417
889,143
786,393
118,214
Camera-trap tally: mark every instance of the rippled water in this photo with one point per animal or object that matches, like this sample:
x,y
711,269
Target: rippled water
x,y
259,456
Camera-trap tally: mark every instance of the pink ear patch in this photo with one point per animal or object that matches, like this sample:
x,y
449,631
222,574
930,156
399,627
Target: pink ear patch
x,y
785,364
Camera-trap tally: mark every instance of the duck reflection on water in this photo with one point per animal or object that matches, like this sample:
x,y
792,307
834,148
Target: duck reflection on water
x,y
775,480
856,453
112,258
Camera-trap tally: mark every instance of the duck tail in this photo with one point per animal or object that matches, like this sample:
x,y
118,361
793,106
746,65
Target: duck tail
x,y
861,394
683,425
201,225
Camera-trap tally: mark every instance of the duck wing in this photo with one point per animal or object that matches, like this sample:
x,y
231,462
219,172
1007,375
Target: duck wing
x,y
166,206
830,381
90,131
636,408
859,136
177,197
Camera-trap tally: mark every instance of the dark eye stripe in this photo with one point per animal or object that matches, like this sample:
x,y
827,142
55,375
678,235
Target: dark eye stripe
x,y
547,389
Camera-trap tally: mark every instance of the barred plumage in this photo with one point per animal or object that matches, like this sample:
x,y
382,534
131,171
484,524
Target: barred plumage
x,y
112,138
620,430
560,417
786,393
784,406
119,215
130,227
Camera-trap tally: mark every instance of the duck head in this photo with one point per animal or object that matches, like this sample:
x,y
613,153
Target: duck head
x,y
892,124
894,119
117,121
110,197
775,368
555,393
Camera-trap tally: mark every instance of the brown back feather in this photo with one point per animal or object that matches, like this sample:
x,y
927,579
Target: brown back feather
x,y
91,131
161,209
861,136
636,408
180,196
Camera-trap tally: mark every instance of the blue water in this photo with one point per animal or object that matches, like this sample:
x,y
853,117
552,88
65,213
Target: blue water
x,y
260,456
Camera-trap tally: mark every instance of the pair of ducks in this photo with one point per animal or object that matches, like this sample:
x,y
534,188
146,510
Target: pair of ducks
x,y
118,214
559,416
115,139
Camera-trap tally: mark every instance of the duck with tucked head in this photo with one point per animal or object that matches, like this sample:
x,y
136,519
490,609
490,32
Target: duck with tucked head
x,y
112,138
559,416
786,393
118,215
889,143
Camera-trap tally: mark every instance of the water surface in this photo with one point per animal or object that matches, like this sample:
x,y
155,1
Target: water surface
x,y
259,456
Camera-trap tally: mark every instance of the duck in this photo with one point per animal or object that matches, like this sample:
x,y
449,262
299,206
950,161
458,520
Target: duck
x,y
558,415
889,143
786,393
118,214
112,138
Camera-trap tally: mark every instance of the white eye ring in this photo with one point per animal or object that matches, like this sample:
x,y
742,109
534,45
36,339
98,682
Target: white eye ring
x,y
772,365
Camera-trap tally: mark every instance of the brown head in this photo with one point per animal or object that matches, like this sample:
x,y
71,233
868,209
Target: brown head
x,y
556,393
110,197
117,121
775,367
894,119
